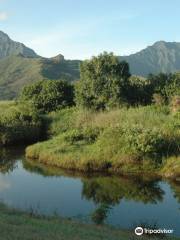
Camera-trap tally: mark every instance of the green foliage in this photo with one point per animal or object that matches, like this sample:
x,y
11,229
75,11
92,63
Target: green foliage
x,y
146,142
138,91
167,85
173,87
89,135
122,140
19,124
158,89
103,81
74,135
60,121
48,95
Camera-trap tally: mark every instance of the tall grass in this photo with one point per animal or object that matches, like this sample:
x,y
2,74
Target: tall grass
x,y
122,140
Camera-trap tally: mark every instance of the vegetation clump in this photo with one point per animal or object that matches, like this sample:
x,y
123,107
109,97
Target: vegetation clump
x,y
123,140
48,95
103,81
19,124
121,123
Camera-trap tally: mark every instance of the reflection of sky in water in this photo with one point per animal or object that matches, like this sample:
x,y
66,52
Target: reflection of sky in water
x,y
79,197
166,213
4,184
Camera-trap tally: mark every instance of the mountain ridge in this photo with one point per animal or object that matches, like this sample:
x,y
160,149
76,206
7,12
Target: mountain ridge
x,y
20,65
162,57
9,47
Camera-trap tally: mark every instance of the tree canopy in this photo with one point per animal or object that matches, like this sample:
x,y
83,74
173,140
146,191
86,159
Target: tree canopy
x,y
48,95
103,82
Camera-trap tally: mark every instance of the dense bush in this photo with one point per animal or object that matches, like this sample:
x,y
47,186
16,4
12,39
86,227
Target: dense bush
x,y
138,91
48,95
19,124
146,142
166,85
158,89
103,82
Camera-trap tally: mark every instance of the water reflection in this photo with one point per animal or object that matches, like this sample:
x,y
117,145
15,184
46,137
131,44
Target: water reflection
x,y
111,190
7,162
107,191
100,198
4,184
175,186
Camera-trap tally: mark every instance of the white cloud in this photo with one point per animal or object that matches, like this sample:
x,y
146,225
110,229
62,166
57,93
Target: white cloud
x,y
3,16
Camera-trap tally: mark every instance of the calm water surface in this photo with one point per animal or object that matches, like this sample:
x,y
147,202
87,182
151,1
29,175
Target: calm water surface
x,y
118,201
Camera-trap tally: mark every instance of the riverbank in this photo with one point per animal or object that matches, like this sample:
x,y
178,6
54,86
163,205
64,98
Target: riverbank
x,y
133,140
125,141
18,225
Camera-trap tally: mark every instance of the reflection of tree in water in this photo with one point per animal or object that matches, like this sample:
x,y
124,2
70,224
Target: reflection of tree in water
x,y
112,189
8,158
175,186
100,213
108,191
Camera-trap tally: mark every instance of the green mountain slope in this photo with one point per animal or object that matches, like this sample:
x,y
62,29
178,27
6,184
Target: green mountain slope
x,y
18,71
160,57
20,65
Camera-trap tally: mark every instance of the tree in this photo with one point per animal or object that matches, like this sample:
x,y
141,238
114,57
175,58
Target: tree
x,y
48,95
172,89
138,91
167,85
103,82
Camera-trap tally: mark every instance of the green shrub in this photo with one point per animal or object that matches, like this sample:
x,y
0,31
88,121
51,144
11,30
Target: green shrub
x,y
148,142
19,124
74,136
48,95
89,135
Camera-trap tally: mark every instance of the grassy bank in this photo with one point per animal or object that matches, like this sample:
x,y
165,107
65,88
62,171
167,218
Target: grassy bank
x,y
19,123
18,225
133,140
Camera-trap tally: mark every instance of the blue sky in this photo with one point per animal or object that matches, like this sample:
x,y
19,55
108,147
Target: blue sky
x,y
79,29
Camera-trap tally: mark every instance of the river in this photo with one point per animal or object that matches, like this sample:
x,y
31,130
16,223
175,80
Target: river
x,y
120,201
